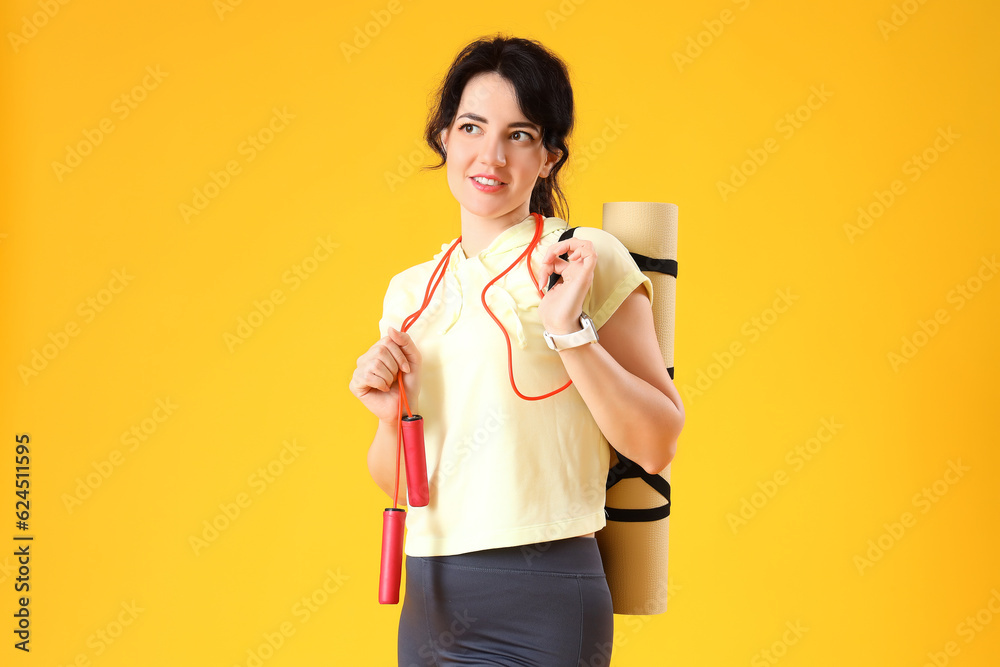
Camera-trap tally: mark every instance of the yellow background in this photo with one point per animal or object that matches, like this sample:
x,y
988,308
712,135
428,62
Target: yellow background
x,y
340,170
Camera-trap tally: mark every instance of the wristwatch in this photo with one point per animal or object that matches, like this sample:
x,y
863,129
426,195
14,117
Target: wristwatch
x,y
588,334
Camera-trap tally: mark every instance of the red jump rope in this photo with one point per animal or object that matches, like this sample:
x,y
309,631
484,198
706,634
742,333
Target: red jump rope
x,y
410,431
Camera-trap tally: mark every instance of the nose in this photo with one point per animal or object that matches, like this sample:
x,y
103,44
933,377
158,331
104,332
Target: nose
x,y
492,151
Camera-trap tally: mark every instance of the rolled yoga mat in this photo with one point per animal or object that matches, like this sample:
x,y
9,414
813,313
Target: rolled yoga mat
x,y
633,544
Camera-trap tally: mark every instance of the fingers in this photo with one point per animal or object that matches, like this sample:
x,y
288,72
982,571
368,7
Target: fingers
x,y
377,368
570,244
406,348
552,253
372,374
575,249
578,252
552,273
396,345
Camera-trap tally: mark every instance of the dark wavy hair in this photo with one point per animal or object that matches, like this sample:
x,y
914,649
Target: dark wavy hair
x,y
541,82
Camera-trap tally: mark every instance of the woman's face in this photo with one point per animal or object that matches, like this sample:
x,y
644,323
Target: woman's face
x,y
494,154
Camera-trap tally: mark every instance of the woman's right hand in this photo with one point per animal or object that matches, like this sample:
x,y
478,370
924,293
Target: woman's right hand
x,y
374,380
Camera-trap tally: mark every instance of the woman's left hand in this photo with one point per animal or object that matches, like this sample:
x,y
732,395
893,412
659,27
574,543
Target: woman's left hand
x,y
562,305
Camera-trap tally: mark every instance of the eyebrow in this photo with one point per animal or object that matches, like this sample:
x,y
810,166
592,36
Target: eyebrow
x,y
480,119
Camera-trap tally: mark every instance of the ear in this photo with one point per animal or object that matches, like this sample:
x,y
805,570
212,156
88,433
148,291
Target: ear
x,y
443,139
550,161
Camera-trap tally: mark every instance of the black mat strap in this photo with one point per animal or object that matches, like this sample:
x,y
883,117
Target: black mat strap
x,y
627,469
667,266
565,257
567,234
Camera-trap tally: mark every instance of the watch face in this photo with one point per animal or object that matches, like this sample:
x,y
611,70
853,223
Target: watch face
x,y
589,324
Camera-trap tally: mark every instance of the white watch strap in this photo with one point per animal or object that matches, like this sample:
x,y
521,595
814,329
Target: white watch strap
x,y
587,334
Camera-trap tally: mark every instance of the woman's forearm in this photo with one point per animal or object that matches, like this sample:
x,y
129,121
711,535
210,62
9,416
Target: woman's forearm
x,y
621,377
638,419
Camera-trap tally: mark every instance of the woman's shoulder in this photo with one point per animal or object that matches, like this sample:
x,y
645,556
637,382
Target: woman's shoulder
x,y
601,239
412,274
406,288
422,271
405,292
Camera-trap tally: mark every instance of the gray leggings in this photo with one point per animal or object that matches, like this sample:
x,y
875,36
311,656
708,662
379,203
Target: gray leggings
x,y
537,605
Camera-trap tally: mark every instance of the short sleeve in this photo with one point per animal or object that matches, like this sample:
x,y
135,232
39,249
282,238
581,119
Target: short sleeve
x,y
404,295
615,277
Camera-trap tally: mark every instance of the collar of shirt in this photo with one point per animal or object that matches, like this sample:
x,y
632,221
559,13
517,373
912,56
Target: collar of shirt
x,y
492,260
516,237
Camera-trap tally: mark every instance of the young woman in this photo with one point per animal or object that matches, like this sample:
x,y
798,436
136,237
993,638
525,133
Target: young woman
x,y
502,567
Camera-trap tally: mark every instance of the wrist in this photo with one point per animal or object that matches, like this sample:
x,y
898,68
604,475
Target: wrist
x,y
392,421
582,332
563,322
563,326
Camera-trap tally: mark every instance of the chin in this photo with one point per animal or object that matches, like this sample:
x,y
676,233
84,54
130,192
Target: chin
x,y
489,213
483,209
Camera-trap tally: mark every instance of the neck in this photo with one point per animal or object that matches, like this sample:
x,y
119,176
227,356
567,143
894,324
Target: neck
x,y
478,233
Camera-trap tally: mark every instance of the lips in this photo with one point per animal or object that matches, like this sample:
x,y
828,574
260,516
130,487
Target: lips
x,y
486,183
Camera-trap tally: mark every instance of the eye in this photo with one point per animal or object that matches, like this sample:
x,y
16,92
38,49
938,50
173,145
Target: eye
x,y
521,135
469,128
